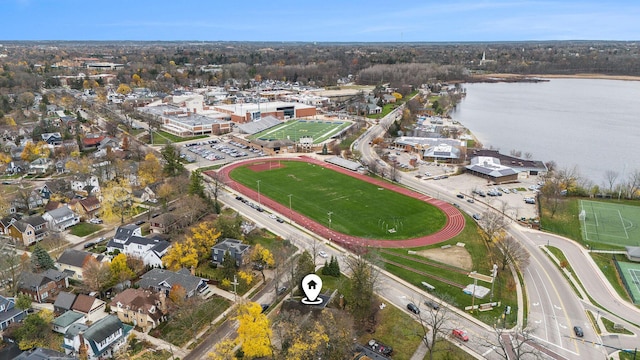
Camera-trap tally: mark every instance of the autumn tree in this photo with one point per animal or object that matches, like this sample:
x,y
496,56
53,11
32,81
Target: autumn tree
x,y
511,251
23,301
41,260
254,330
119,269
79,165
33,151
493,224
149,170
263,257
224,350
177,294
96,275
204,236
34,331
123,89
116,200
181,255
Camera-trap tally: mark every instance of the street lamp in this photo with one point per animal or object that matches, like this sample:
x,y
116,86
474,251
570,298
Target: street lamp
x,y
258,181
290,210
329,214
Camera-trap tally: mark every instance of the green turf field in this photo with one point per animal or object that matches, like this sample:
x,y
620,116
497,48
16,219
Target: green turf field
x,y
609,223
357,208
630,273
293,130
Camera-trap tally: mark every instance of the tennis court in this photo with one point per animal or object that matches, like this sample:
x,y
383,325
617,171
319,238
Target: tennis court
x,y
630,273
319,130
608,223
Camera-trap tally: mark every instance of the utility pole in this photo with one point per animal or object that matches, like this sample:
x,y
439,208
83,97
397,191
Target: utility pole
x,y
329,214
258,181
290,210
235,292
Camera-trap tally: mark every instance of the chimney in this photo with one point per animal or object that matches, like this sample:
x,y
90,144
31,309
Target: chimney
x,y
83,351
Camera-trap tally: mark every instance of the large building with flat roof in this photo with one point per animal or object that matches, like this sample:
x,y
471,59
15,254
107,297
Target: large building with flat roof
x,y
182,122
243,113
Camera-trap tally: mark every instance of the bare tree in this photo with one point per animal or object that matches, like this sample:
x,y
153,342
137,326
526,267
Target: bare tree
x,y
11,267
492,223
610,177
512,252
633,183
433,323
516,344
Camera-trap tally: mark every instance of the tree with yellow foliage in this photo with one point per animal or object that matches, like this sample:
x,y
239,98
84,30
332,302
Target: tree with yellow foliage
x,y
120,271
123,89
116,199
308,343
80,165
224,350
33,151
254,330
150,170
397,95
204,236
136,80
263,257
181,255
245,277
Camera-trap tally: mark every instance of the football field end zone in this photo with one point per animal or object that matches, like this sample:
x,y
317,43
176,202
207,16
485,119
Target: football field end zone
x,y
453,226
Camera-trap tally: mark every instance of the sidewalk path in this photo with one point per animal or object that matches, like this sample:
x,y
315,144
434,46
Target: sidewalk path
x,y
161,344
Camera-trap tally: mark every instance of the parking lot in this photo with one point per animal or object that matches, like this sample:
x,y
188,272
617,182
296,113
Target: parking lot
x,y
216,151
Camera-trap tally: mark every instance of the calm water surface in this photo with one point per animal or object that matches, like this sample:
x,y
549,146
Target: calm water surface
x,y
591,124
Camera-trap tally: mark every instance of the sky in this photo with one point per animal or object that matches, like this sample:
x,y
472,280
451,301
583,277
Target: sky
x,y
321,20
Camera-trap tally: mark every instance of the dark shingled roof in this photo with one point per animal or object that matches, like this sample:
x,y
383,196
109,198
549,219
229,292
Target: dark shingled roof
x,y
103,328
43,354
74,257
64,300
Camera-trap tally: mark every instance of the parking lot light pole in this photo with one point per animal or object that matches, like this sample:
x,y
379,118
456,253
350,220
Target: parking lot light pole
x,y
258,181
290,210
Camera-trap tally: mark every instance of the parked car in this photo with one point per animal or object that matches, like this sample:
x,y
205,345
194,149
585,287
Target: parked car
x,y
470,201
379,347
578,331
264,307
432,304
89,244
323,254
95,221
140,222
476,216
280,220
460,334
413,308
281,290
460,196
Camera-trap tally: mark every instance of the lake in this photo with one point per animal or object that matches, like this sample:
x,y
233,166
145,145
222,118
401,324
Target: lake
x,y
588,123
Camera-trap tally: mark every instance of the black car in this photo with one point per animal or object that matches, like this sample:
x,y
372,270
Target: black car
x,y
413,308
280,220
89,244
460,196
432,304
578,331
140,222
264,307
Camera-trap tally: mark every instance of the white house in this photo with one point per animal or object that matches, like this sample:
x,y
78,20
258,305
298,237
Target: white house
x,y
88,184
100,339
61,218
128,240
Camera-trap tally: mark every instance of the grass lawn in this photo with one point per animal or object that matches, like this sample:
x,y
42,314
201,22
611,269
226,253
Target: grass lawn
x,y
155,355
605,264
565,221
445,350
609,325
397,329
354,205
84,229
417,269
178,331
163,137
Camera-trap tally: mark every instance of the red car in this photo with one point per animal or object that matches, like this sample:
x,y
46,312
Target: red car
x,y
460,334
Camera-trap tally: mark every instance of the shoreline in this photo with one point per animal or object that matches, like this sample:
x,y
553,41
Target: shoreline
x,y
532,77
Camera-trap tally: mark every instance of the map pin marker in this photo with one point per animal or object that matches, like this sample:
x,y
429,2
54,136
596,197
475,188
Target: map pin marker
x,y
311,285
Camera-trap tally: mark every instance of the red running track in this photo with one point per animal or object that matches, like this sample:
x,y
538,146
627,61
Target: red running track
x,y
453,226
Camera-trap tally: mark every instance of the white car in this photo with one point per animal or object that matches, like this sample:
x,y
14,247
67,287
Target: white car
x,y
323,254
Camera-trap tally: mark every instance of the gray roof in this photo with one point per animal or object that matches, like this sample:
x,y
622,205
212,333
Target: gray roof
x,y
226,244
124,232
159,247
33,281
43,354
256,126
67,318
633,251
155,278
64,300
103,328
73,257
74,329
342,162
490,166
60,212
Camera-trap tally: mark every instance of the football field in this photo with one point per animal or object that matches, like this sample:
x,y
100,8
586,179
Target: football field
x,y
319,130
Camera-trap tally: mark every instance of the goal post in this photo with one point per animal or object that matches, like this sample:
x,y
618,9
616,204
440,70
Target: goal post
x,y
582,216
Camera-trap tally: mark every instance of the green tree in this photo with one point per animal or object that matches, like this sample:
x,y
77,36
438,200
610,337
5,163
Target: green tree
x,y
363,280
23,302
304,267
331,268
172,166
229,226
196,184
34,331
228,266
41,260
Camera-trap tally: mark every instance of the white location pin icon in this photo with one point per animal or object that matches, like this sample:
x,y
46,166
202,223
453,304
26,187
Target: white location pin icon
x,y
311,285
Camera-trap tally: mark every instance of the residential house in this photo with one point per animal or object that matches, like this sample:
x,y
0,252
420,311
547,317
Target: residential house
x,y
100,339
40,166
9,313
72,262
149,250
52,139
43,286
109,142
61,218
123,233
87,208
163,280
91,307
6,221
28,230
43,354
86,185
143,308
166,223
238,250
91,141
64,302
63,322
16,167
59,187
31,200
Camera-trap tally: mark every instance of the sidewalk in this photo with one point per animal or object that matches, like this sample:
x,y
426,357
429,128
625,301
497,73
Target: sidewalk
x,y
161,344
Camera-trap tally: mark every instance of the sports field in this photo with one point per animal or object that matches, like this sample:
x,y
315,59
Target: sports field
x,y
608,223
630,273
341,202
293,130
